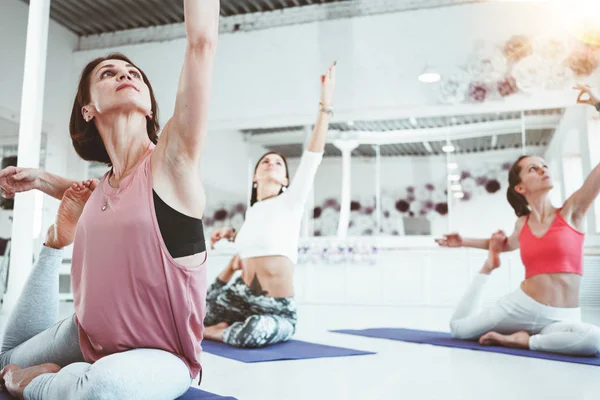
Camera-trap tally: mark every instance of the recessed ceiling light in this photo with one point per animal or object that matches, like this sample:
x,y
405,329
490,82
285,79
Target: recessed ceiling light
x,y
429,75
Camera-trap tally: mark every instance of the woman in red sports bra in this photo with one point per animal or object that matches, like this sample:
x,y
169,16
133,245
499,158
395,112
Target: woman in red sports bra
x,y
543,314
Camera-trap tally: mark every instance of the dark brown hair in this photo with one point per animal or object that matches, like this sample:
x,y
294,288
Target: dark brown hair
x,y
516,200
85,136
253,197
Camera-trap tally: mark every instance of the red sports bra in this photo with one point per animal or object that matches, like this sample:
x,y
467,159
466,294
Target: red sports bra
x,y
560,250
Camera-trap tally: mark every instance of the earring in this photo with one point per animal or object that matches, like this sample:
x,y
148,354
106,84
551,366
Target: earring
x,y
283,188
255,185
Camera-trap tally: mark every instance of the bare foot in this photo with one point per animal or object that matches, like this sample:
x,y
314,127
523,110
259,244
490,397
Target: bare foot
x,y
62,233
215,332
518,340
496,246
15,379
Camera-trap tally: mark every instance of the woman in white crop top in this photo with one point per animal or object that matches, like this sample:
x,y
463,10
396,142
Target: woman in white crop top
x,y
258,308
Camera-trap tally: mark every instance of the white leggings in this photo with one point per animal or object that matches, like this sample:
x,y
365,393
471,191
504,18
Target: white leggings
x,y
556,330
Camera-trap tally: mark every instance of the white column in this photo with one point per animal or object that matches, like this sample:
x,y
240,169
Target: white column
x,y
378,187
346,147
449,196
30,133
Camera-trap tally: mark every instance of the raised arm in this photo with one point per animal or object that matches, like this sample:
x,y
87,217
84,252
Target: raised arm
x,y
579,203
302,181
316,144
182,139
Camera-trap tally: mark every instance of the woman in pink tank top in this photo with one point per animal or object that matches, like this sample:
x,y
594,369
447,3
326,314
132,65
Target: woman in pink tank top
x,y
139,295
543,314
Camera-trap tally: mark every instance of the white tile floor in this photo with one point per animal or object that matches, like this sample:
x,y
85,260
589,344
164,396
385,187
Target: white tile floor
x,y
399,370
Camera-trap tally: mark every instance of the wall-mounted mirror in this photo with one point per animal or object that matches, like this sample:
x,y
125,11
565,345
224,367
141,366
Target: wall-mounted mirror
x,y
419,176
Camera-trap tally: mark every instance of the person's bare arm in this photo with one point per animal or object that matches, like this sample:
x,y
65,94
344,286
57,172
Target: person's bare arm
x,y
455,240
234,265
15,180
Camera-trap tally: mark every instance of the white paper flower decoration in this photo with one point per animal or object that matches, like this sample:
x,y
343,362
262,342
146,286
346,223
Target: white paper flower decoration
x,y
550,49
453,86
560,77
531,74
487,64
422,194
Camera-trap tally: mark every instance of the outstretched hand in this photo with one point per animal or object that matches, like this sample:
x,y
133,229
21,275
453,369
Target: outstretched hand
x,y
16,180
221,233
585,95
450,240
328,86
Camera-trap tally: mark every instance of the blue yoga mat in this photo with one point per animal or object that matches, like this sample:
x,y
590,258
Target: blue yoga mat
x,y
445,339
291,350
197,394
192,394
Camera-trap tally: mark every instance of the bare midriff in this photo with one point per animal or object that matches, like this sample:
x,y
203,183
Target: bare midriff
x,y
274,273
554,290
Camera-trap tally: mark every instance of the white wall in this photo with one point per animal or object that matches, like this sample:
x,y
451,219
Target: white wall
x,y
58,93
270,77
225,166
59,76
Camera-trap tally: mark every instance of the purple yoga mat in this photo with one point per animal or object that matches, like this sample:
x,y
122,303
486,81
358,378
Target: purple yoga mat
x,y
291,350
197,394
192,394
445,339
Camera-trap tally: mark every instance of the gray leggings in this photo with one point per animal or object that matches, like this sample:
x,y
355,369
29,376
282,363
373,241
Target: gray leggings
x,y
32,338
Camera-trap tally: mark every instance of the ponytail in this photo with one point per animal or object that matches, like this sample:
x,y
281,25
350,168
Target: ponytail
x,y
516,200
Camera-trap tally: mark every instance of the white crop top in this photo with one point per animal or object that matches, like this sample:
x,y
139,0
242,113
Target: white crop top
x,y
272,226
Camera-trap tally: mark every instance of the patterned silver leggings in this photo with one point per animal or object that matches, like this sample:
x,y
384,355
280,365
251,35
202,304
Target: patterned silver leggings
x,y
254,321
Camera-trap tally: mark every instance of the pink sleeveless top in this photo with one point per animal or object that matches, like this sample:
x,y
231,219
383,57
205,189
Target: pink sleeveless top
x,y
128,291
560,250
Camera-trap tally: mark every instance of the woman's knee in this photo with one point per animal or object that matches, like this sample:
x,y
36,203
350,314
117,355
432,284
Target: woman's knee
x,y
591,341
248,334
105,385
137,374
